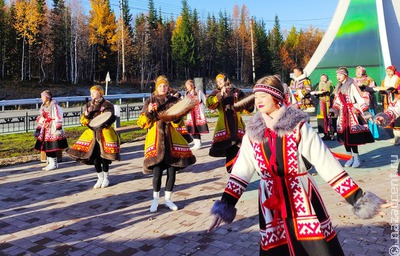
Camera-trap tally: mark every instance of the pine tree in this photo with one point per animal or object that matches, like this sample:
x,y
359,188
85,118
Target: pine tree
x,y
11,50
127,17
275,45
210,46
3,22
222,44
261,51
183,42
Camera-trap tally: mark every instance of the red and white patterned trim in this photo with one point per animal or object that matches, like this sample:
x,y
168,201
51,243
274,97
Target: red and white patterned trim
x,y
273,236
236,186
343,184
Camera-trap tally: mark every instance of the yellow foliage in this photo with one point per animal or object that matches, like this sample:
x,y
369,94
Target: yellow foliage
x,y
27,19
177,26
102,24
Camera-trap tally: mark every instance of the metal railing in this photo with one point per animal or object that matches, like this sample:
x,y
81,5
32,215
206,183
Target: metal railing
x,y
27,122
36,102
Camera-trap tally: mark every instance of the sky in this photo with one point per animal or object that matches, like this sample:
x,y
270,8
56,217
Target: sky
x,y
300,14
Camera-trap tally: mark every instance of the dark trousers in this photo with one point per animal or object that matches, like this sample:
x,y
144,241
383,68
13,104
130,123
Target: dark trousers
x,y
157,178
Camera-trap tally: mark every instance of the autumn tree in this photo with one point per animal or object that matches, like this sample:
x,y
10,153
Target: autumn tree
x,y
309,40
103,38
287,62
27,24
291,46
38,54
64,44
245,45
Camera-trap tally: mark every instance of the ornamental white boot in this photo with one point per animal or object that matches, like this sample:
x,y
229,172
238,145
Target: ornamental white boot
x,y
356,162
396,134
48,164
154,203
197,144
168,201
349,162
52,164
105,182
100,178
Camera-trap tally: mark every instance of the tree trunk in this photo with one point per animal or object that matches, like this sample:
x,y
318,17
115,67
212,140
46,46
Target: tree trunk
x,y
23,60
29,62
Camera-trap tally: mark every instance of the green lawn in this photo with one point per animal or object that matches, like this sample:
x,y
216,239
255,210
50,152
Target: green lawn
x,y
21,144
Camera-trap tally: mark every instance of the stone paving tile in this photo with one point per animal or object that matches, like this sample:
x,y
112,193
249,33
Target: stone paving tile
x,y
58,212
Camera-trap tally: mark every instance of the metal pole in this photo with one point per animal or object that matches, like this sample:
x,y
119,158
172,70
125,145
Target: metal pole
x,y
26,122
127,112
122,40
252,51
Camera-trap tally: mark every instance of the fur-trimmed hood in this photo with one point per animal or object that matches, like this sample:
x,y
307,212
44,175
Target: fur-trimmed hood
x,y
345,87
288,118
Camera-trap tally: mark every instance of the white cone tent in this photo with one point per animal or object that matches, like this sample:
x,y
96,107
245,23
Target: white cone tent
x,y
361,33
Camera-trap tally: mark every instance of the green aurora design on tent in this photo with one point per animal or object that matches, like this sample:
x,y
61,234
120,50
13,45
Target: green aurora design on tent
x,y
361,33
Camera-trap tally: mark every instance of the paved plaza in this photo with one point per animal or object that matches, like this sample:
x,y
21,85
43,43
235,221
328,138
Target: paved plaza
x,y
58,212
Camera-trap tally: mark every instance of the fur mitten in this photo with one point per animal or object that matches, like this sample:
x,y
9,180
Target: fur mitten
x,y
226,212
367,205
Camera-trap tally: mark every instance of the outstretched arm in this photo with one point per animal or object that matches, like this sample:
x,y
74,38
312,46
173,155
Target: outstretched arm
x,y
242,172
365,204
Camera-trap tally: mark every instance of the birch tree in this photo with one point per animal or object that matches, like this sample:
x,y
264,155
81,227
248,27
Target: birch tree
x,y
27,24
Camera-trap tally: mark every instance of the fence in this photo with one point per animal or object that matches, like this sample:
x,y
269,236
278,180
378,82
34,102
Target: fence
x,y
11,122
27,122
36,102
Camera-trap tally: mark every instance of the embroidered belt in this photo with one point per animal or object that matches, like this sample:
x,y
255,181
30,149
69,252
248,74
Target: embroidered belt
x,y
276,201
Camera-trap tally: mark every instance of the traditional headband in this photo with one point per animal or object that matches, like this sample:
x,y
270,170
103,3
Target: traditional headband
x,y
362,68
219,76
161,81
46,94
97,88
276,93
342,71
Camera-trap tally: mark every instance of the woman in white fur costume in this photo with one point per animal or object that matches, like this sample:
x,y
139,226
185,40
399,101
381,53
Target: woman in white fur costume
x,y
49,134
352,112
281,146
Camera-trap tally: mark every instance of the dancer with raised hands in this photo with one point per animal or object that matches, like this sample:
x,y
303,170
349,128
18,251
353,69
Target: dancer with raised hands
x,y
230,128
164,148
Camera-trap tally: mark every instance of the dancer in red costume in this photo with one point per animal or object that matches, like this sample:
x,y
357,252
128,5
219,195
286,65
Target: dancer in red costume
x,y
280,145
